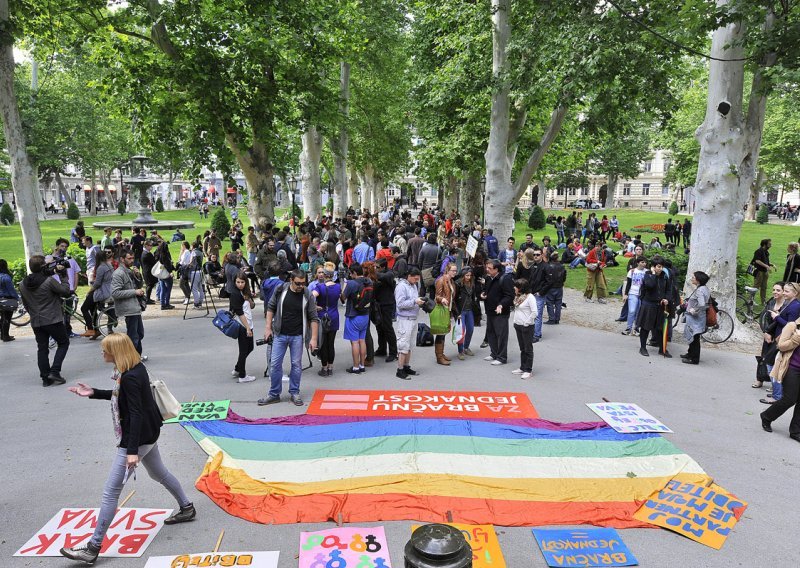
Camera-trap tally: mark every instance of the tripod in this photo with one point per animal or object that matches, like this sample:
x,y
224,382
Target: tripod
x,y
207,292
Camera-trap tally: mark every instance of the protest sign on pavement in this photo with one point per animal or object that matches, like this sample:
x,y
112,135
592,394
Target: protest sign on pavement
x,y
201,410
583,547
704,514
486,551
345,546
129,534
261,559
627,418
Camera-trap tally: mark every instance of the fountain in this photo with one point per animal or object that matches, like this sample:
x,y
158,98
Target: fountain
x,y
144,218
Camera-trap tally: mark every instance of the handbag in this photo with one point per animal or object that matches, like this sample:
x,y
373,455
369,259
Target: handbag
x,y
459,333
167,404
711,313
428,278
440,320
227,323
8,304
762,374
159,271
751,269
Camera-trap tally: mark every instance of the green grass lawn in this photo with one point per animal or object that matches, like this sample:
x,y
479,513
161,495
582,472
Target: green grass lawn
x,y
11,247
749,240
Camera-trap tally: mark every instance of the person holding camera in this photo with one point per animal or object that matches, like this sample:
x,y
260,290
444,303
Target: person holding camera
x,y
291,318
42,296
128,295
408,300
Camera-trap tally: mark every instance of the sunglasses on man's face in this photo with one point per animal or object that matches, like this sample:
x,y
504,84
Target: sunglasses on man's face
x,y
301,284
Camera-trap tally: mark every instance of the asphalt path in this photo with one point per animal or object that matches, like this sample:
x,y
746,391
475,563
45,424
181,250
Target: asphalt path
x,y
57,447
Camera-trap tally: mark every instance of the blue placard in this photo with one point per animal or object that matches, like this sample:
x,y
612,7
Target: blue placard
x,y
583,547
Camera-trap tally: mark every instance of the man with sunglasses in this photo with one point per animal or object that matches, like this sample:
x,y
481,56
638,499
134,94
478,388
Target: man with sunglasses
x,y
291,319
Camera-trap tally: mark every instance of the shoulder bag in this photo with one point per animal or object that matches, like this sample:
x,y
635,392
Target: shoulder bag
x,y
167,404
159,271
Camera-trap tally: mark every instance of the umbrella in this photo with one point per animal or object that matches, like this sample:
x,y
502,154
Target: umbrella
x,y
665,333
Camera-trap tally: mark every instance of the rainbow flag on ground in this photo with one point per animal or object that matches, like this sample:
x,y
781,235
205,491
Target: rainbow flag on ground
x,y
304,469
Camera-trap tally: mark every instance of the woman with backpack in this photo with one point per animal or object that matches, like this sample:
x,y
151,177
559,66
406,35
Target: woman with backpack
x,y
327,290
695,306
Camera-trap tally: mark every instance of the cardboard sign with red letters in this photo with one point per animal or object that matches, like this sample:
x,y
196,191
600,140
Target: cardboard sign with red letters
x,y
129,535
421,404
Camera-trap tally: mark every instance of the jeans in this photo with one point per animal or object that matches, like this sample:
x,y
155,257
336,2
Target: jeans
x,y
294,343
576,262
525,340
497,334
251,258
633,310
166,290
57,331
135,330
150,458
553,300
196,279
468,321
537,324
246,347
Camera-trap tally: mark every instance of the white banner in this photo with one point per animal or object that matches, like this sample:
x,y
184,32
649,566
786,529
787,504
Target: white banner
x,y
627,418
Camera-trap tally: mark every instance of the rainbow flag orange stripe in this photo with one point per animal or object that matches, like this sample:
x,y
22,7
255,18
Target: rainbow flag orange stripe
x,y
503,472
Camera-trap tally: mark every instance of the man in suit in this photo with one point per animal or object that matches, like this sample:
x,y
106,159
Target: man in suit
x,y
148,261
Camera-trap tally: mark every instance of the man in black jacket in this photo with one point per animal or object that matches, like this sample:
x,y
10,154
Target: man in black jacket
x,y
539,288
556,276
498,296
385,304
43,297
148,261
429,255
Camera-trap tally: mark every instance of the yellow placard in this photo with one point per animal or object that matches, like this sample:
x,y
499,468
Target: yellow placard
x,y
486,551
703,514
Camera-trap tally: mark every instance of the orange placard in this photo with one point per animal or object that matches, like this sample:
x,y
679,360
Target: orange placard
x,y
486,551
422,404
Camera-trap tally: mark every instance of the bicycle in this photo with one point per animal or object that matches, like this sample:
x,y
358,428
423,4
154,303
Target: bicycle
x,y
20,317
105,320
719,333
744,309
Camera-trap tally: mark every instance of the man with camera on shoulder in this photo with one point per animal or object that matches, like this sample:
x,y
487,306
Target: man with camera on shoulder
x,y
291,321
43,296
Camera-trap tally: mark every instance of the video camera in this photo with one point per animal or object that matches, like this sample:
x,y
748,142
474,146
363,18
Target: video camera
x,y
56,266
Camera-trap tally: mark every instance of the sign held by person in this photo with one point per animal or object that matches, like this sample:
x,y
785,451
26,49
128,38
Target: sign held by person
x,y
418,404
201,410
583,547
345,546
216,559
472,246
627,418
129,534
703,514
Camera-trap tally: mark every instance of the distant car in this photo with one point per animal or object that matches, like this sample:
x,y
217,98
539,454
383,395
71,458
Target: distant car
x,y
585,204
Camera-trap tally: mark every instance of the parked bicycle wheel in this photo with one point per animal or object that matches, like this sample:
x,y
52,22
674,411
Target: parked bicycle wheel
x,y
743,312
20,317
720,332
105,323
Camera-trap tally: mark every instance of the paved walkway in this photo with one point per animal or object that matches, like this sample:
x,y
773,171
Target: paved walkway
x,y
58,447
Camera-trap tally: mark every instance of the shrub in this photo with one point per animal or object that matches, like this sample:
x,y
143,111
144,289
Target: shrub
x,y
159,205
537,220
680,262
121,207
220,223
6,215
517,214
673,208
18,269
73,212
762,217
79,254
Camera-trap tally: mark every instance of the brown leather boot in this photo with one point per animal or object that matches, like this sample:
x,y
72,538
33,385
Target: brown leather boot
x,y
438,348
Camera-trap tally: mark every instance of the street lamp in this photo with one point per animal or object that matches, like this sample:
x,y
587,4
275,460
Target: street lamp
x,y
483,202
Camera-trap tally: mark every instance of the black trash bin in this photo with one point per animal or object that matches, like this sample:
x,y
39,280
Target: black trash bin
x,y
438,546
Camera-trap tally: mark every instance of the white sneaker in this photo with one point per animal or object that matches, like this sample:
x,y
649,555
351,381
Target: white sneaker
x,y
186,301
517,372
247,379
285,378
234,373
497,362
525,376
488,358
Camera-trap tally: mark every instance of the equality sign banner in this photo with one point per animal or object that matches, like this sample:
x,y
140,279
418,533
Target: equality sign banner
x,y
486,551
472,246
359,547
201,410
129,535
627,418
417,404
252,559
704,514
583,547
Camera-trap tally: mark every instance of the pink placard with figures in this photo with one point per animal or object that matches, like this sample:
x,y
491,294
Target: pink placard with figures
x,y
345,547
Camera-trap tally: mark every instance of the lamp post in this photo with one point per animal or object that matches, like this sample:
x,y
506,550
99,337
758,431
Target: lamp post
x,y
483,202
292,189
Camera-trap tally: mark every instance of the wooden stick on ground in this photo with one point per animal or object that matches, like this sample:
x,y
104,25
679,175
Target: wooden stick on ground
x,y
128,498
219,541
